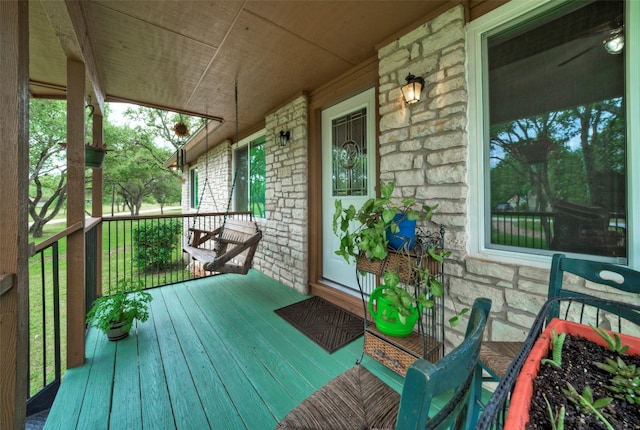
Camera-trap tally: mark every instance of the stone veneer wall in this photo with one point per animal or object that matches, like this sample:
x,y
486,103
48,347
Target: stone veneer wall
x,y
284,243
217,166
423,146
423,149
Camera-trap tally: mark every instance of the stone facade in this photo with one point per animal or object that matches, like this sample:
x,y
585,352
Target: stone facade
x,y
216,165
423,146
282,253
284,244
424,150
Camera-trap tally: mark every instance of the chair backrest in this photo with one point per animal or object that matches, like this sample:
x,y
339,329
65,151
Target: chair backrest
x,y
453,373
239,243
612,275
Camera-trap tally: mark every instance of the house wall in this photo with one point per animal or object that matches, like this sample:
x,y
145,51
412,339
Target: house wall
x,y
424,149
216,164
283,251
284,243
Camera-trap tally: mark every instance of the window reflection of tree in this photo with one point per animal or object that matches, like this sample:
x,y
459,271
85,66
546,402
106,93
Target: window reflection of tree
x,y
574,155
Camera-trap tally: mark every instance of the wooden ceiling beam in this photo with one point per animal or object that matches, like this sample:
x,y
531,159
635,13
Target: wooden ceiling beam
x,y
69,24
113,99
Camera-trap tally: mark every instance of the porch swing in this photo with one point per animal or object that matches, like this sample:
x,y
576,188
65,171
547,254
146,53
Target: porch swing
x,y
234,243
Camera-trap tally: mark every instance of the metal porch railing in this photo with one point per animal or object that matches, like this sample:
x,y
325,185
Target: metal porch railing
x,y
143,248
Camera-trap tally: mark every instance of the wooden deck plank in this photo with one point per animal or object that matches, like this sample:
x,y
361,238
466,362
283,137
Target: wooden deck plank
x,y
231,368
285,335
126,410
156,405
314,364
97,403
260,366
300,353
269,332
209,385
213,355
68,401
187,408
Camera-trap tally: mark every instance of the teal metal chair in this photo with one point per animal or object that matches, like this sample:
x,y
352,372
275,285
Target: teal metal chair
x,y
455,371
618,277
495,357
359,400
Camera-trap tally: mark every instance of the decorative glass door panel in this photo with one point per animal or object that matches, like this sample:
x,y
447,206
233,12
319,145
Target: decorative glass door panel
x,y
349,141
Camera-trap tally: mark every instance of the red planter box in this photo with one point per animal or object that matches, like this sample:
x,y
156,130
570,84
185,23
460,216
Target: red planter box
x,y
518,414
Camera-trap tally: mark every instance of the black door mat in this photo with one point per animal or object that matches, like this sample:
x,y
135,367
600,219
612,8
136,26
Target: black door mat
x,y
326,324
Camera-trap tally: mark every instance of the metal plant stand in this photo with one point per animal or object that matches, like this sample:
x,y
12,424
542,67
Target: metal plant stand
x,y
398,353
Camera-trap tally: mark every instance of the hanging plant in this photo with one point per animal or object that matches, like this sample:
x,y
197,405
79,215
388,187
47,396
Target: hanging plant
x,y
181,129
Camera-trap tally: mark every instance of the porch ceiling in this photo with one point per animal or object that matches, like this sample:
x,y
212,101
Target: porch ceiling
x,y
186,55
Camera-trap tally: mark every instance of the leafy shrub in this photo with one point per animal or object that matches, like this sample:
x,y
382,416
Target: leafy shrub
x,y
155,243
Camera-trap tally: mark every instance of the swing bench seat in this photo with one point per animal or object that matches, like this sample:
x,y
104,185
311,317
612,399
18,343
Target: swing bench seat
x,y
236,243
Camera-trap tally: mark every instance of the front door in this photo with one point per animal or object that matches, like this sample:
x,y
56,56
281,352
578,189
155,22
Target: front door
x,y
348,173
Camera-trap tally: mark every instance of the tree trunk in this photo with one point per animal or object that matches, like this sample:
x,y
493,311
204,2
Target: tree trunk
x,y
36,228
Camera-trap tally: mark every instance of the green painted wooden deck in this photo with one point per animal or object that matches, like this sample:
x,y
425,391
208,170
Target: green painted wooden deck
x,y
213,355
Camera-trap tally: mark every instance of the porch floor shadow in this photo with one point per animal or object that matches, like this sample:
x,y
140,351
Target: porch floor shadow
x,y
213,355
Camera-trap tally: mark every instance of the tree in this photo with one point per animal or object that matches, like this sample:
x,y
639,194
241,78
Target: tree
x,y
162,124
167,190
138,170
602,137
133,168
47,162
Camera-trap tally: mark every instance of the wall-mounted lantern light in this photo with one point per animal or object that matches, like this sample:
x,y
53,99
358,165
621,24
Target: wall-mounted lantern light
x,y
411,91
285,136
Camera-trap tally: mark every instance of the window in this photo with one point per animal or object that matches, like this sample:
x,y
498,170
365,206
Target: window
x,y
551,127
250,170
193,189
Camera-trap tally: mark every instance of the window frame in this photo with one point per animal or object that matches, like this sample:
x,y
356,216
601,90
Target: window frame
x,y
244,143
514,12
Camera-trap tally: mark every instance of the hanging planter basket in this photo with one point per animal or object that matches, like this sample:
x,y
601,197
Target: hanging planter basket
x,y
94,156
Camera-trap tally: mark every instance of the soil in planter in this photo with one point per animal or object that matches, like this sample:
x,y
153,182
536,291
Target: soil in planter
x,y
578,356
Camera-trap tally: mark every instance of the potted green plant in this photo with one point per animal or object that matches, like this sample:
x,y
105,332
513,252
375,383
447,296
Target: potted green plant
x,y
365,234
394,309
572,368
114,314
377,221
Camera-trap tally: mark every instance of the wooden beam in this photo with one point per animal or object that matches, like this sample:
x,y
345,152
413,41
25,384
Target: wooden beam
x,y
68,21
14,176
96,196
114,99
7,280
75,213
